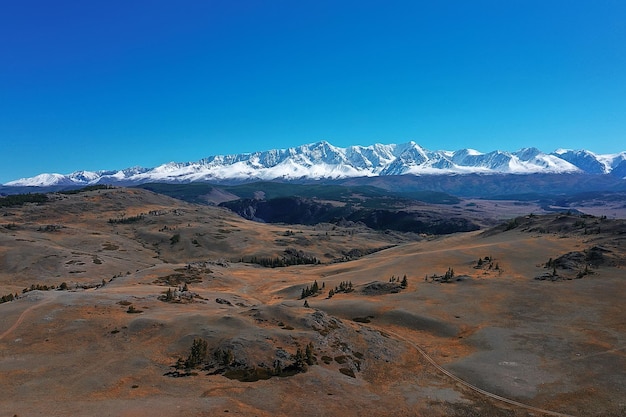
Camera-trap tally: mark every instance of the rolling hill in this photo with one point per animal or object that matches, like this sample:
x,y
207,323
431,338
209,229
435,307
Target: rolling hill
x,y
475,331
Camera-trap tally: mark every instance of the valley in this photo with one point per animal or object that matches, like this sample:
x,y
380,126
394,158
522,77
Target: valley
x,y
520,315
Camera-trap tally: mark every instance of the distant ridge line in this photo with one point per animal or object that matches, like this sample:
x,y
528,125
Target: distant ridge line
x,y
321,160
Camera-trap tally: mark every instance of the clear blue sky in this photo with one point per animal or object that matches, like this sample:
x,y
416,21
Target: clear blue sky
x,y
112,84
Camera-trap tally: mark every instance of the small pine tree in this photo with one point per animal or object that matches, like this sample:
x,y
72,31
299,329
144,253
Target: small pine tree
x,y
310,360
448,275
306,303
404,283
278,369
229,357
180,363
197,354
299,360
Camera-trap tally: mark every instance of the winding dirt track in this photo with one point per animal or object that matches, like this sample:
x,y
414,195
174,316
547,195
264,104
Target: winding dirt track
x,y
22,316
467,384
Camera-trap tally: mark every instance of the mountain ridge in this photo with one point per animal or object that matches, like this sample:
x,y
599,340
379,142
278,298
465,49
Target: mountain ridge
x,y
322,160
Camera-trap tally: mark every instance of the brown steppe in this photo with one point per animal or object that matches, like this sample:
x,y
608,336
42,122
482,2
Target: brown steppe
x,y
492,342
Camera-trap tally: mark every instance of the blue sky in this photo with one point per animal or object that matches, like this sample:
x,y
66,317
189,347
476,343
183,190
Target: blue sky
x,y
112,84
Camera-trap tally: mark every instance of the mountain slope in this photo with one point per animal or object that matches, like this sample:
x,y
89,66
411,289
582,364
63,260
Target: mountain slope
x,y
322,160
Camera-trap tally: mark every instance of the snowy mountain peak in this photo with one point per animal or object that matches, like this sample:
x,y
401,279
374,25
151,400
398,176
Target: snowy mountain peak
x,y
322,160
526,154
584,160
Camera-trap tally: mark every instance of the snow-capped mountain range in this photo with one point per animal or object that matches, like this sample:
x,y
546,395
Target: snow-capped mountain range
x,y
321,160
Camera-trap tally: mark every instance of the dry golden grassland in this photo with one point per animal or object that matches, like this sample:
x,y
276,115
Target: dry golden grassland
x,y
493,341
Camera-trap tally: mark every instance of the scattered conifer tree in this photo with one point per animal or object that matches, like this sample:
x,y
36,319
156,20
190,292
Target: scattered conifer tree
x,y
299,360
447,277
197,354
310,360
404,283
278,369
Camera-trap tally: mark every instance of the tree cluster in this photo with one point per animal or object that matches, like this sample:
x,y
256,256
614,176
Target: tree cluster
x,y
487,263
127,220
447,277
197,354
169,296
303,358
282,261
312,290
21,199
44,287
554,263
226,363
38,287
512,224
87,188
404,282
49,228
178,295
7,298
63,287
344,286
